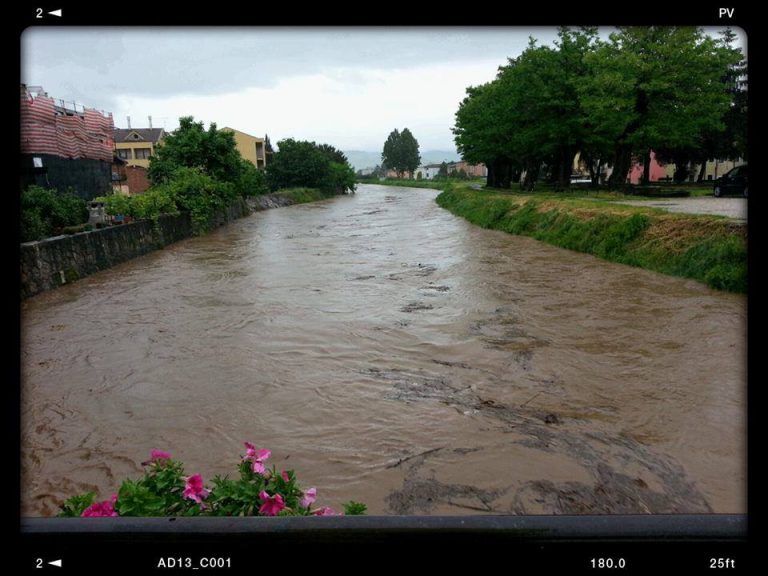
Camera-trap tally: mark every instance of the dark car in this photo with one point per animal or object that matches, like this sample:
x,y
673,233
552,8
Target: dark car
x,y
732,182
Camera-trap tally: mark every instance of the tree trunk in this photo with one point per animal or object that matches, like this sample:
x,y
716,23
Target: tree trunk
x,y
594,171
566,165
490,179
647,168
531,175
504,175
702,171
551,174
622,162
681,172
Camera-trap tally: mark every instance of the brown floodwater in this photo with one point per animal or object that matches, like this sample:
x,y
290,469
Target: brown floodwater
x,y
393,354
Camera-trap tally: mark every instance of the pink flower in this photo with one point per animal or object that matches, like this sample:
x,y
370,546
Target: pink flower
x,y
309,498
284,475
156,455
194,489
257,457
272,505
101,509
326,511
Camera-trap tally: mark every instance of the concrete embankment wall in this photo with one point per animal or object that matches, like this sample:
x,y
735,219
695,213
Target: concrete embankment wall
x,y
267,201
55,261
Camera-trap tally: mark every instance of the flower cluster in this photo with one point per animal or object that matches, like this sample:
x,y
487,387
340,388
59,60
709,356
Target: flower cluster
x,y
256,457
165,490
101,509
194,489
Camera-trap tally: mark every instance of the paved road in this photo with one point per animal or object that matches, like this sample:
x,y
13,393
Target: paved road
x,y
732,207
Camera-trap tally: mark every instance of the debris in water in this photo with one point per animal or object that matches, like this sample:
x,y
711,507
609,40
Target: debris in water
x,y
414,306
552,419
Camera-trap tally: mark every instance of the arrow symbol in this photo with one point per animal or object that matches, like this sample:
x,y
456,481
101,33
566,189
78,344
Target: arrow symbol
x,y
55,13
56,562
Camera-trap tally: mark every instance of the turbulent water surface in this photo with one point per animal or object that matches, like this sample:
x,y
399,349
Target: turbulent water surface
x,y
394,354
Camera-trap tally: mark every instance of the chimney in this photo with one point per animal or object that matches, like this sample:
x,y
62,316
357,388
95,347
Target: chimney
x,y
129,122
150,122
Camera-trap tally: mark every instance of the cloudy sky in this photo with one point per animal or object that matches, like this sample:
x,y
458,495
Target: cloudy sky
x,y
348,87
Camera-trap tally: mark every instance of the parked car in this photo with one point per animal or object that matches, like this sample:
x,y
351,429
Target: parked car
x,y
732,182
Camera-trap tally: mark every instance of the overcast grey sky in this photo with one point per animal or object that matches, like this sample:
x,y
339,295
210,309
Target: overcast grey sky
x,y
348,87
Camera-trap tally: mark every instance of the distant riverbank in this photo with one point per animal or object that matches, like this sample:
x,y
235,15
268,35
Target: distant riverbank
x,y
710,249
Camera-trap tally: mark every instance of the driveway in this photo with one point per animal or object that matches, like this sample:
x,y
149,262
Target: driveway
x,y
735,208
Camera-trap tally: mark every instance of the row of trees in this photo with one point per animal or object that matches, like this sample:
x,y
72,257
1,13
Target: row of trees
x,y
214,154
200,171
673,90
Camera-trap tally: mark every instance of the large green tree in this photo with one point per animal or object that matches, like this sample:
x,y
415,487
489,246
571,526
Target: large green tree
x,y
483,132
299,163
530,116
211,151
657,87
731,141
401,152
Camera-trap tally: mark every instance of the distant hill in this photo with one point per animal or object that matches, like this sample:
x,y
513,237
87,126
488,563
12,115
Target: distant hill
x,y
364,159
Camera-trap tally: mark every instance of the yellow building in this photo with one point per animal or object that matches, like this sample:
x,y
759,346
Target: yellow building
x,y
250,147
137,145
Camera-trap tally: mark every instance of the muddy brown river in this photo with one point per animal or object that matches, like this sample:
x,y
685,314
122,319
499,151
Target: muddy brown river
x,y
393,354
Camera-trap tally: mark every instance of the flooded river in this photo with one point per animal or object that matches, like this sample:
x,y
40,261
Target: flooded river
x,y
393,354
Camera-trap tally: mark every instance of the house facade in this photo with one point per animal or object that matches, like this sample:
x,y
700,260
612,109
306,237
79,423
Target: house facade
x,y
659,172
137,145
251,148
407,175
473,170
428,171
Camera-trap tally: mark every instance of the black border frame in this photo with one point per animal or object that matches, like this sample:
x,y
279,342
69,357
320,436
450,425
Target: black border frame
x,y
540,541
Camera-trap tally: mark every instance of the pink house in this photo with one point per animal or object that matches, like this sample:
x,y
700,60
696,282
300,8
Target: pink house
x,y
657,171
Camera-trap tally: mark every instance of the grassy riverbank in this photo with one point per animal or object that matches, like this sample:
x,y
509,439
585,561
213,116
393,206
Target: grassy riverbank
x,y
710,249
304,195
434,184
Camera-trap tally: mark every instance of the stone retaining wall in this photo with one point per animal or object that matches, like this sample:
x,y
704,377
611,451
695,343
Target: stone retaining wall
x,y
51,262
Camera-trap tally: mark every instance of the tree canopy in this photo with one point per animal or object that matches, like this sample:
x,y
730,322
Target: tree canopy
x,y
211,151
401,152
661,88
299,163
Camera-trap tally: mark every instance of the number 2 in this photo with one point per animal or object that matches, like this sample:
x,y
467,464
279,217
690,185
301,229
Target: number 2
x,y
39,14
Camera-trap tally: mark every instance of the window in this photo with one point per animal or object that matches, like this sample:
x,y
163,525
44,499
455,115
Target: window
x,y
124,153
142,153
